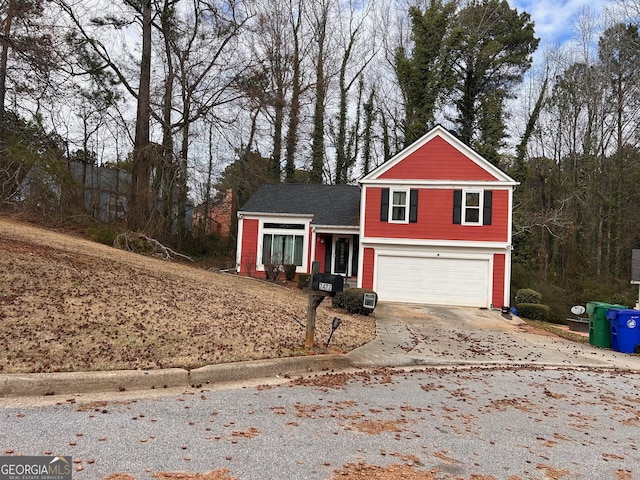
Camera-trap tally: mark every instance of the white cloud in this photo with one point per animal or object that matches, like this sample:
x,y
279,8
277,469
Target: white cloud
x,y
555,19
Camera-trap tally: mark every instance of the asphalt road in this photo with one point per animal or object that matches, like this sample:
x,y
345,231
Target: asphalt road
x,y
456,423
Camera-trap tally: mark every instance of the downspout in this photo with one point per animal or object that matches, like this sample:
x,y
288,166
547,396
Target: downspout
x,y
363,191
312,252
239,243
508,254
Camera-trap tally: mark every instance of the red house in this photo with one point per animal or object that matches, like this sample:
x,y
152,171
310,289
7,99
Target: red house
x,y
434,227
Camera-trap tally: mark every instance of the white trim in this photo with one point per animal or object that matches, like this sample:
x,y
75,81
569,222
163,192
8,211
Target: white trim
x,y
443,184
480,207
435,253
312,244
335,238
239,245
510,218
407,194
508,258
507,279
412,242
304,232
442,253
447,136
363,196
260,216
336,229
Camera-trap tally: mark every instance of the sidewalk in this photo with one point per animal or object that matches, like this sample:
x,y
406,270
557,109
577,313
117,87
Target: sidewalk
x,y
407,335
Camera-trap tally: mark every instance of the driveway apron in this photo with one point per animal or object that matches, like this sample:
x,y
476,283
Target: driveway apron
x,y
409,334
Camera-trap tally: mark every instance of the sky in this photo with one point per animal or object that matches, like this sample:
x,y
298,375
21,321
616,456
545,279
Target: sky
x,y
554,19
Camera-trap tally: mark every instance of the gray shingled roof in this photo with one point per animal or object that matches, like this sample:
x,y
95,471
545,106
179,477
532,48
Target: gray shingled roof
x,y
329,204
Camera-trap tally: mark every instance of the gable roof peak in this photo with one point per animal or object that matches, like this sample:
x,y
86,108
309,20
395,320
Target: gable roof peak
x,y
451,139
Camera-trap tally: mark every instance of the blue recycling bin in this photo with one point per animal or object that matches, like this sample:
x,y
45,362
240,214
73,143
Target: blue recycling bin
x,y
625,330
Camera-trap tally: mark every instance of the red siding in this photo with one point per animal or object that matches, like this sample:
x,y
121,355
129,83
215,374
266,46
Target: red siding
x,y
320,250
437,160
368,257
249,246
435,218
499,261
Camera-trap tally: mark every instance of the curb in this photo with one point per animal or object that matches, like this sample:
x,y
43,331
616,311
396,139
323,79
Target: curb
x,y
44,384
36,384
267,368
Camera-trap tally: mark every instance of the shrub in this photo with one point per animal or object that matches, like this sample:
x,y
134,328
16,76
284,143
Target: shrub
x,y
289,272
105,234
272,271
533,311
303,280
528,295
352,299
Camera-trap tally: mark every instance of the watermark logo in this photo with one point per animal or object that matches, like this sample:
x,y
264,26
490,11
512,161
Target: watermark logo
x,y
35,468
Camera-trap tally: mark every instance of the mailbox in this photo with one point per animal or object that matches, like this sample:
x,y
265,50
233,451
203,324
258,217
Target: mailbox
x,y
325,282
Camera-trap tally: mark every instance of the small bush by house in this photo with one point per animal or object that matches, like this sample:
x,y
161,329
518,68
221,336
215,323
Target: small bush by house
x,y
528,295
303,280
352,300
533,311
289,272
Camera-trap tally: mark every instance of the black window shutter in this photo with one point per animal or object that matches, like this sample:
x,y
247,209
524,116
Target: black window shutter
x,y
486,211
354,265
384,206
413,206
457,207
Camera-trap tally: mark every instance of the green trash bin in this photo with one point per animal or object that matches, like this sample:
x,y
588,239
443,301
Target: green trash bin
x,y
599,330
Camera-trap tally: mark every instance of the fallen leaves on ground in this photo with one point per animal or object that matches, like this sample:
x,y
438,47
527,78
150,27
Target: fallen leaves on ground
x,y
221,474
362,471
68,304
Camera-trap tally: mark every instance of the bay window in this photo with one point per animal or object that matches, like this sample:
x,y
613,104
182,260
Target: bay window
x,y
283,244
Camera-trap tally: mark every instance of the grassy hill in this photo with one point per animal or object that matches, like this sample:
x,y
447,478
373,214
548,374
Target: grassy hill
x,y
68,304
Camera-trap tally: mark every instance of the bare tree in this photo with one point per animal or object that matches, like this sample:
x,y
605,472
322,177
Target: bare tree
x,y
26,54
357,52
319,15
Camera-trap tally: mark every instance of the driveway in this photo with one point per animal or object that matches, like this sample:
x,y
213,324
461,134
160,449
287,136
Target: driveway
x,y
409,334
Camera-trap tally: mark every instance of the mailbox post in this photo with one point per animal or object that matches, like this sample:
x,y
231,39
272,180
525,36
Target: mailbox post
x,y
322,285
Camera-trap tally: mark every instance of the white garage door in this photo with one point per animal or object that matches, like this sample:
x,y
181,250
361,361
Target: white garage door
x,y
435,281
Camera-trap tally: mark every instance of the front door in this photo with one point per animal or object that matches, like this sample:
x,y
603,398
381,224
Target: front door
x,y
342,255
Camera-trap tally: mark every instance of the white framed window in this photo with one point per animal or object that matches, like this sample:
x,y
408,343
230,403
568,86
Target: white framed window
x,y
283,244
472,207
399,206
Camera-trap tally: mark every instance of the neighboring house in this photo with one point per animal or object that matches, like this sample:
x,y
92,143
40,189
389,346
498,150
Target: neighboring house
x,y
106,191
434,227
219,218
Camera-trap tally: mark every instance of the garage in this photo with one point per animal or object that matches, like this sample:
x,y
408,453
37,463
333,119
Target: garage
x,y
434,280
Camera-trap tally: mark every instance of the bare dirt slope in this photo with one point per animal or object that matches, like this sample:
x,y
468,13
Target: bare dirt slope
x,y
68,304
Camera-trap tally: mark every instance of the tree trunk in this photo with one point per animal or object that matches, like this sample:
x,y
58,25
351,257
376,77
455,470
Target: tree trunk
x,y
166,168
317,144
369,118
275,168
4,59
294,111
139,197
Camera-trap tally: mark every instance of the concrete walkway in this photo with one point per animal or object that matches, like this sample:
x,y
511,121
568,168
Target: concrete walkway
x,y
407,335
